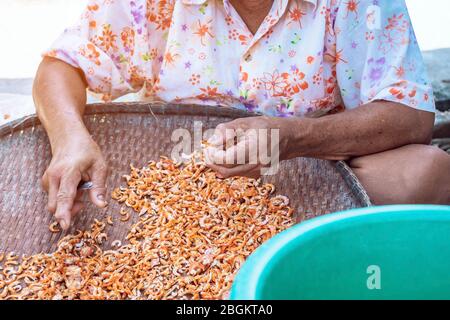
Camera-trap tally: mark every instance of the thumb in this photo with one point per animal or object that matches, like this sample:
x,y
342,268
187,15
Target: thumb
x,y
97,193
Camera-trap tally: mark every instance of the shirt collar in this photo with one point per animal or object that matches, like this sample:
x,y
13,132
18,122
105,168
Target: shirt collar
x,y
200,2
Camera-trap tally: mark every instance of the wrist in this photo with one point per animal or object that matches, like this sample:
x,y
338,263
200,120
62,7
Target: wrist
x,y
71,132
296,137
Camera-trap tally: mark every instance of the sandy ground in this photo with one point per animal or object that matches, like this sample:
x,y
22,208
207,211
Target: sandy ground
x,y
27,27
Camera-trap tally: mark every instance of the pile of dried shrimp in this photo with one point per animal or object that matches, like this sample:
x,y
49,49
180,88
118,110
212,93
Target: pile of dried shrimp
x,y
193,233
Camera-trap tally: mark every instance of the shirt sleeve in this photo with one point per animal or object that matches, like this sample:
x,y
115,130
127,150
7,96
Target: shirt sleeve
x,y
110,44
377,55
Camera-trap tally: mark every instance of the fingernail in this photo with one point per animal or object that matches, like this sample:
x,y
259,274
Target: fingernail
x,y
101,198
64,225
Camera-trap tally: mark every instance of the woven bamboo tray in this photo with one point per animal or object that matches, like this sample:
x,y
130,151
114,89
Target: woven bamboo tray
x,y
138,133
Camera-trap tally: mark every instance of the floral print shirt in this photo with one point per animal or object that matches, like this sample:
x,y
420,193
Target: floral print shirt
x,y
308,57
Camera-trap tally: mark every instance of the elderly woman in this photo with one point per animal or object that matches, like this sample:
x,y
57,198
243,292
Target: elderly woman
x,y
340,79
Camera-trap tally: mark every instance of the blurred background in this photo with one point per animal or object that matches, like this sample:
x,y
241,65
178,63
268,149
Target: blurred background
x,y
27,27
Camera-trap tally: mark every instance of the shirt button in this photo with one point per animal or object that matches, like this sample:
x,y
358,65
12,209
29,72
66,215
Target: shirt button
x,y
248,58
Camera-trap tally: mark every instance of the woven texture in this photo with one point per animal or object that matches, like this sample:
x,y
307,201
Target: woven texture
x,y
441,134
135,134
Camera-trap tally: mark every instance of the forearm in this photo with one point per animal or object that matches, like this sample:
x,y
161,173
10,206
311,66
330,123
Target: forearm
x,y
369,129
59,94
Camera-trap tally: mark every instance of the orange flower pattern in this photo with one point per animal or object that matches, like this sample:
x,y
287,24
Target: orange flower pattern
x,y
308,58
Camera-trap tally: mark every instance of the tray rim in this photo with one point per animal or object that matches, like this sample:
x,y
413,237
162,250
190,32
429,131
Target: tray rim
x,y
154,108
161,108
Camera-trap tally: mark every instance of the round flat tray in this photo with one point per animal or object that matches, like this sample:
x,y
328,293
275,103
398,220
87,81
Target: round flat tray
x,y
135,134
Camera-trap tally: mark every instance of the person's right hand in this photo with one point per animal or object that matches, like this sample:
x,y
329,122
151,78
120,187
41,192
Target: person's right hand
x,y
74,160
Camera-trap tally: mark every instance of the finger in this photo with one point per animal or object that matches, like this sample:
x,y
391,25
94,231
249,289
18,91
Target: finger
x,y
50,183
223,134
216,156
97,193
244,152
218,136
52,194
242,170
65,198
77,207
255,173
78,204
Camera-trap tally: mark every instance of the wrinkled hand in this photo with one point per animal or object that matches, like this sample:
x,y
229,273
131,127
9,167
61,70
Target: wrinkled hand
x,y
234,150
76,159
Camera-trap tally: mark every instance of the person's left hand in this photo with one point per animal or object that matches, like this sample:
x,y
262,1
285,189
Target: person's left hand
x,y
248,146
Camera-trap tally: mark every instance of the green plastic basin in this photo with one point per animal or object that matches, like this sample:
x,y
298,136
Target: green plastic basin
x,y
387,252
